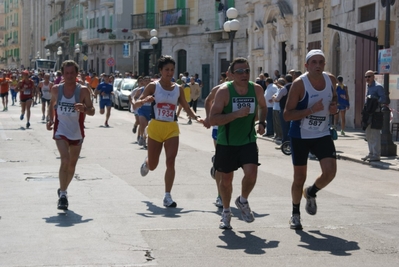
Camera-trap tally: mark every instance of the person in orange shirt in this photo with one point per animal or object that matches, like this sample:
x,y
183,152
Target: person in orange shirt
x,y
94,82
4,88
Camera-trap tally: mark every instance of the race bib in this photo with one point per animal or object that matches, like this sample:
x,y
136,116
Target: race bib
x,y
242,102
165,112
67,109
106,96
314,123
27,91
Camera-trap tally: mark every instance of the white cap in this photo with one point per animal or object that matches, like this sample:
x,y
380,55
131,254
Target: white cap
x,y
314,52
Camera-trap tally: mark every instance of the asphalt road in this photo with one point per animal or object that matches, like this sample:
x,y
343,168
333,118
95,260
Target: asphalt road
x,y
116,217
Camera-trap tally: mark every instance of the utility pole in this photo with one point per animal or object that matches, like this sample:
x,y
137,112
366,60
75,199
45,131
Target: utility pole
x,y
388,148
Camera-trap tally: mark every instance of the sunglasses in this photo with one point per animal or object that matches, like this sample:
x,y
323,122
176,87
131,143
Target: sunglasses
x,y
368,76
242,71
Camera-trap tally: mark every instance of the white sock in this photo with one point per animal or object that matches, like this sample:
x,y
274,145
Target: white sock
x,y
167,195
63,193
226,210
243,200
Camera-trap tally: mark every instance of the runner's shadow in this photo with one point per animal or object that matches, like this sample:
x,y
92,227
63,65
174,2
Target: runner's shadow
x,y
335,245
155,210
66,219
250,243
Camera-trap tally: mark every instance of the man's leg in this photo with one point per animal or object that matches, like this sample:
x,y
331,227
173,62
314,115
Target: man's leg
x,y
374,143
249,180
108,114
69,158
226,188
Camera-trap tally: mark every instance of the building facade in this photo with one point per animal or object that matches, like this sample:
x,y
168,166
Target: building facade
x,y
114,35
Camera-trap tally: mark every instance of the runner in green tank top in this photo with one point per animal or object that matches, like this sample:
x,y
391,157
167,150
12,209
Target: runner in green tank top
x,y
234,110
240,131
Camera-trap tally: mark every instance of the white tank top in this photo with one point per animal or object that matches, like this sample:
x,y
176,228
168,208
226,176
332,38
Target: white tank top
x,y
46,91
68,123
165,103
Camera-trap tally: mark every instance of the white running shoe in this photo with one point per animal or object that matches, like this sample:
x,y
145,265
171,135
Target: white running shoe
x,y
225,221
246,212
144,169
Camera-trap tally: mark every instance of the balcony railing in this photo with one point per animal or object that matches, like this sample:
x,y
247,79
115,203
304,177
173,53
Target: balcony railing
x,y
177,16
90,35
59,2
116,35
73,24
144,21
106,2
52,39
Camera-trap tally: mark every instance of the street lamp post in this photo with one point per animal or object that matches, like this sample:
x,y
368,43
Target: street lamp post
x,y
231,27
59,54
37,55
77,52
48,53
154,42
388,148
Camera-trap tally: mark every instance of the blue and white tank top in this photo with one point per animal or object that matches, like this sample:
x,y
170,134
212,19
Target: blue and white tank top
x,y
317,124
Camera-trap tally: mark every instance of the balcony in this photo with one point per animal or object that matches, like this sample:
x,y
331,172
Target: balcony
x,y
59,2
73,24
108,3
116,36
143,23
84,2
90,35
2,28
175,20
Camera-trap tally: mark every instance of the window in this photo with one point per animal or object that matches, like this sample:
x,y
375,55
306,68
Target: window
x,y
315,26
314,45
367,13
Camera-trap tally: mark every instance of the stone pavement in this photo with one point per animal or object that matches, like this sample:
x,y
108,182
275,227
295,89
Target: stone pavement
x,y
353,147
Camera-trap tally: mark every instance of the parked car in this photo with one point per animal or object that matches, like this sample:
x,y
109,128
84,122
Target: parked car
x,y
117,81
120,98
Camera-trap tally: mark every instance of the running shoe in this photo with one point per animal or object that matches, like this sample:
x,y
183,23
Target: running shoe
x,y
21,117
169,203
311,207
342,133
106,124
58,192
246,212
225,221
218,202
43,117
27,125
134,130
144,169
189,121
295,222
63,203
141,141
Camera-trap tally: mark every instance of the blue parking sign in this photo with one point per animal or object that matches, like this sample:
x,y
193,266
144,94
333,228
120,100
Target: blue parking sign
x,y
126,50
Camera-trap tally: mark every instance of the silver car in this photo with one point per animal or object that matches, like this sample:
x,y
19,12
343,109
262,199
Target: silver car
x,y
120,98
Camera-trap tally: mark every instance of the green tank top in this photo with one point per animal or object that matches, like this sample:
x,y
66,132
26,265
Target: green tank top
x,y
241,131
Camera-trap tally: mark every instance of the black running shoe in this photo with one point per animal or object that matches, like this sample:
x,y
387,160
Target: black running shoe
x,y
63,203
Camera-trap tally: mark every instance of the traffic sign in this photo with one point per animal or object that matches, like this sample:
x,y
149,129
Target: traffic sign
x,y
110,62
384,60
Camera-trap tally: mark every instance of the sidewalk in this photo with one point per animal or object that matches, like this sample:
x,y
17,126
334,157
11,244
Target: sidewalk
x,y
353,147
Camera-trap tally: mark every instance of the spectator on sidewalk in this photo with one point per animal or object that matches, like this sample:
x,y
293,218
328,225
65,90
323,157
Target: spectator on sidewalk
x,y
343,103
373,136
271,89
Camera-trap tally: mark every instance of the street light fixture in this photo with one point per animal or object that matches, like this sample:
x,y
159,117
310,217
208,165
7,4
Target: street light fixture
x,y
37,54
77,52
154,42
231,27
59,54
48,53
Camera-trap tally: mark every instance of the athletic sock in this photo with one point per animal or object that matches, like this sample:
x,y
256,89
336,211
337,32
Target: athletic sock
x,y
295,208
243,200
313,190
63,193
226,210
